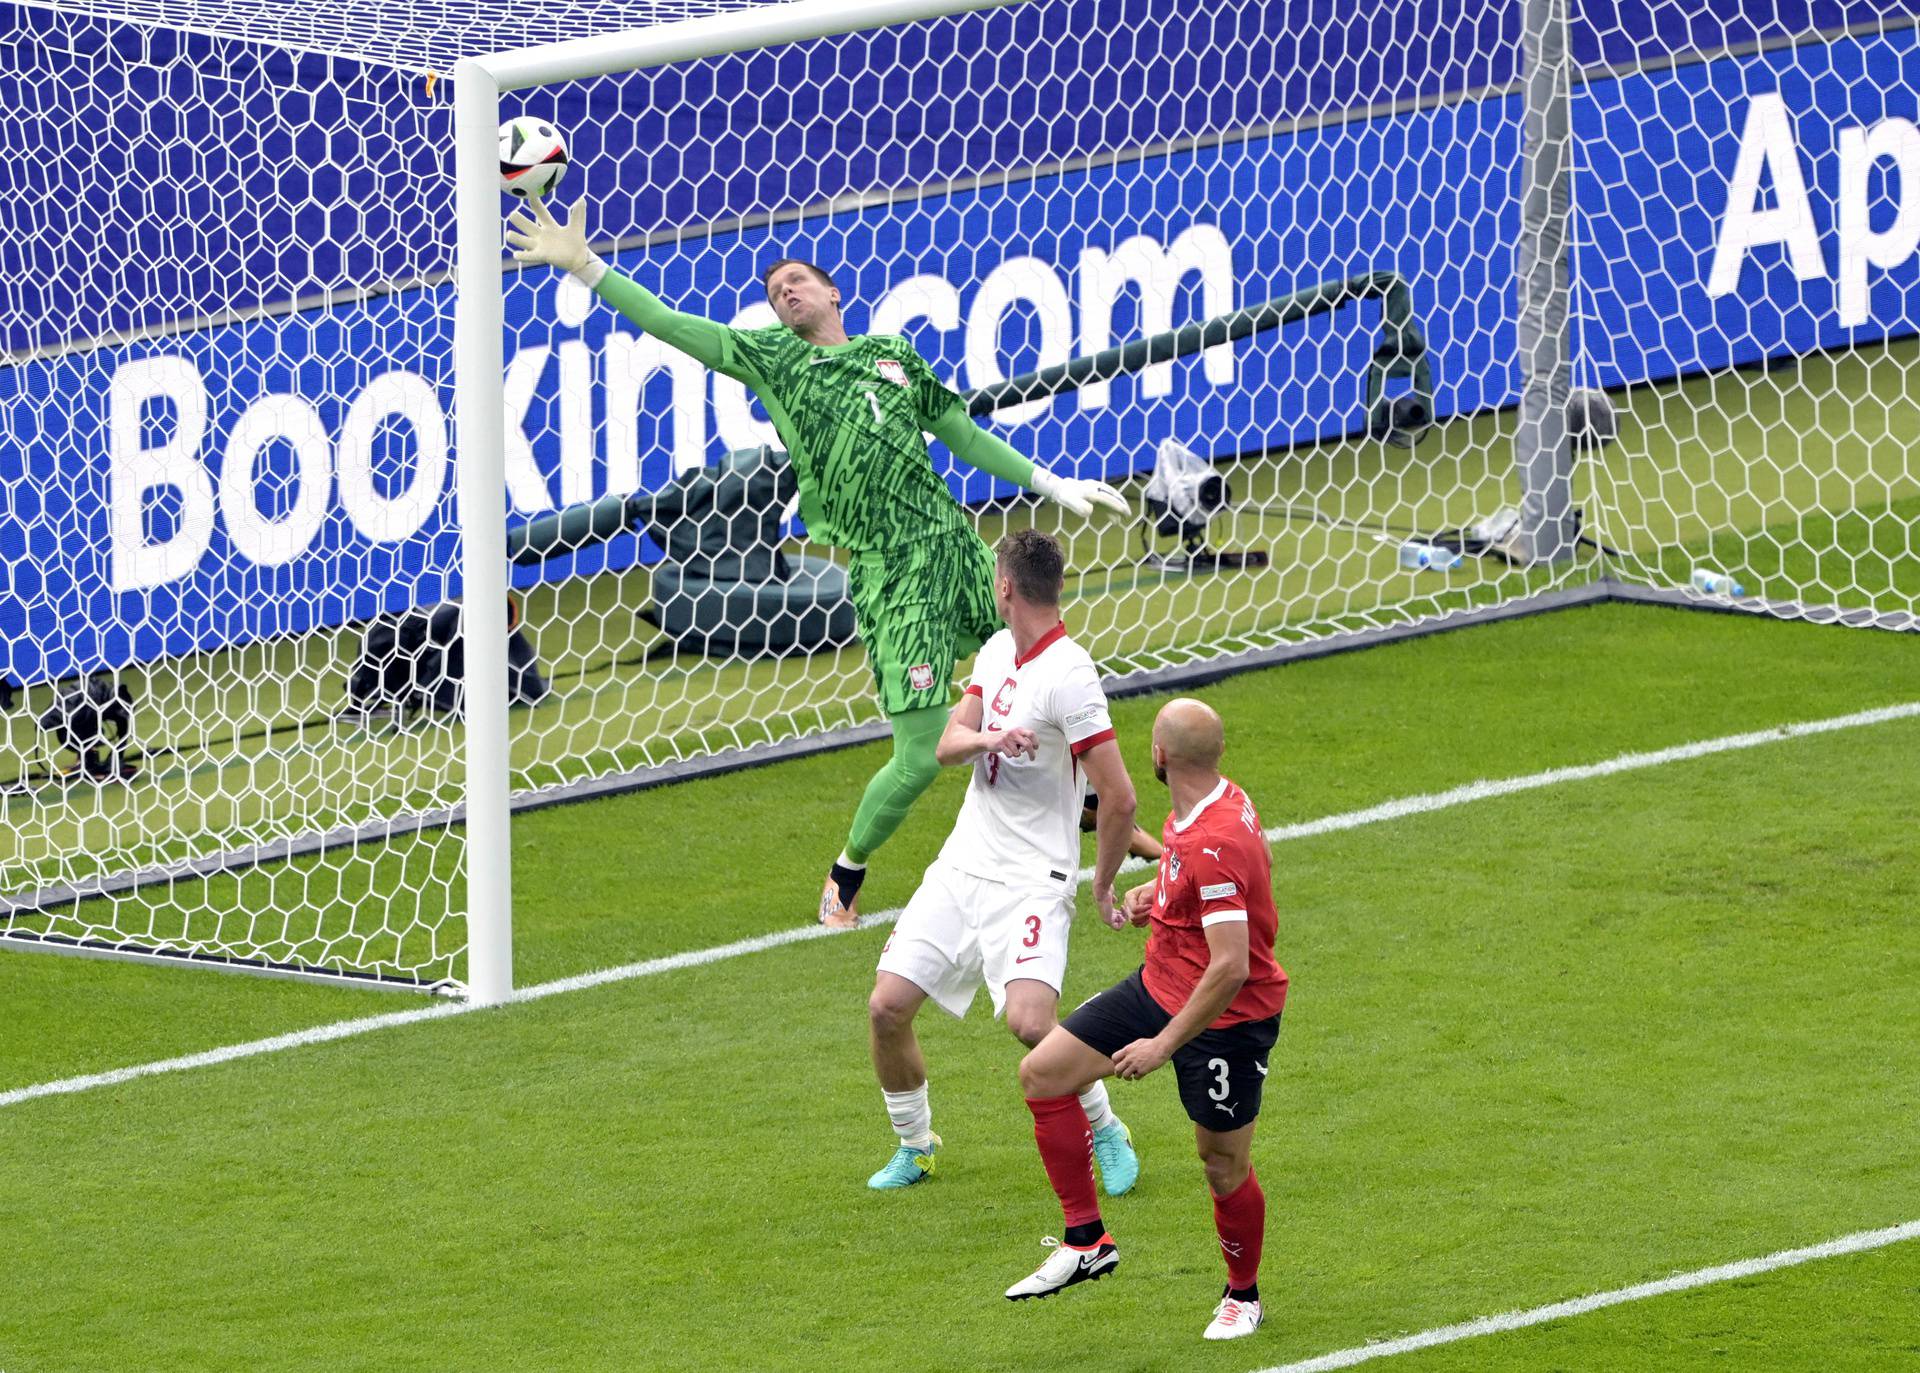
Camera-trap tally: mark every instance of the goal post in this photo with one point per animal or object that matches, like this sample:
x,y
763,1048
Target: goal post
x,y
1542,453
480,420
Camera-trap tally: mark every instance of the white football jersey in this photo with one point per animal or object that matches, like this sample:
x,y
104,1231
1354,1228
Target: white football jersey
x,y
1020,822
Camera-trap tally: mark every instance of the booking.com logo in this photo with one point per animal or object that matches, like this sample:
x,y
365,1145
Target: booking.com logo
x,y
151,464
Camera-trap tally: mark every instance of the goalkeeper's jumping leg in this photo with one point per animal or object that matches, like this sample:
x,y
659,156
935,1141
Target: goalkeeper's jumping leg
x,y
921,610
889,796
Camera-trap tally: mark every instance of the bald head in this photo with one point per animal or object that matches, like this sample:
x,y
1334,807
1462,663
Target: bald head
x,y
1187,737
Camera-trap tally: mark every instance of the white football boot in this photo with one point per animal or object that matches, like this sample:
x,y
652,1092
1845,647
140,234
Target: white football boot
x,y
1233,1319
1065,1266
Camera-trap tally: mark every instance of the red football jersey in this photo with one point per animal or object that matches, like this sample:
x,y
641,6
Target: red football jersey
x,y
1215,867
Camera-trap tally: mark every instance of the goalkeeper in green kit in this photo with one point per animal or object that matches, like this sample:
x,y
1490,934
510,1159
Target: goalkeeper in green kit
x,y
853,414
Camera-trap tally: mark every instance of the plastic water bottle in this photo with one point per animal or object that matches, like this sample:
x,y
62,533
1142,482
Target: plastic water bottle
x,y
1710,582
1420,557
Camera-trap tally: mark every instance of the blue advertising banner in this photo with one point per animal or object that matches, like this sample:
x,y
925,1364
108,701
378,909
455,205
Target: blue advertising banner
x,y
1736,210
156,168
275,475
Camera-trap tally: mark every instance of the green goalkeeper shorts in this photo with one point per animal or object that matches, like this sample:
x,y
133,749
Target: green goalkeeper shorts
x,y
922,608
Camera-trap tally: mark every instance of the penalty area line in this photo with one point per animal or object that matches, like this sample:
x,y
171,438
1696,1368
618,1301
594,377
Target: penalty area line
x,y
1856,1243
652,967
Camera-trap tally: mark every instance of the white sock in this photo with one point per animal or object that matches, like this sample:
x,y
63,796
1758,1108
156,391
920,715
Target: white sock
x,y
1094,1102
912,1117
846,862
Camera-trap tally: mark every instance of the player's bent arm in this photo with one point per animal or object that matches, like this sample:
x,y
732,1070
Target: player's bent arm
x,y
960,741
1219,984
963,740
1107,772
992,454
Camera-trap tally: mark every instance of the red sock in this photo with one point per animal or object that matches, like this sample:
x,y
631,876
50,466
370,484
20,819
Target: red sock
x,y
1065,1138
1241,1219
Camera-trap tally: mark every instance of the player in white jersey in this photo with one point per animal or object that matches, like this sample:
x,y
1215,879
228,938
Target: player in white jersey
x,y
995,906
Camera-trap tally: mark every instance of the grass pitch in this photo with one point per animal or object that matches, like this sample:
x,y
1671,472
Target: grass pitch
x,y
1538,1046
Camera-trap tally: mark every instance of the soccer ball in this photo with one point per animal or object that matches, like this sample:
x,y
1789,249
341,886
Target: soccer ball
x,y
533,156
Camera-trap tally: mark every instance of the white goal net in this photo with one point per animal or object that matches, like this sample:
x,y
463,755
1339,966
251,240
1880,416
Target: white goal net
x,y
229,508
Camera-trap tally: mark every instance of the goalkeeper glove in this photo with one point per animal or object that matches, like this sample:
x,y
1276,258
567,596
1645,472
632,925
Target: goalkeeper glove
x,y
543,238
1082,498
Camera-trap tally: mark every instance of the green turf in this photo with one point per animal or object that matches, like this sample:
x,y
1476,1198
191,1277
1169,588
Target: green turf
x,y
1847,1315
1538,1047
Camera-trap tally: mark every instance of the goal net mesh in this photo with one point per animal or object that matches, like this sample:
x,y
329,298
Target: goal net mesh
x,y
227,501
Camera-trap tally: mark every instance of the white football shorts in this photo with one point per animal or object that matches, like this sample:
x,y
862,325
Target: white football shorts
x,y
960,930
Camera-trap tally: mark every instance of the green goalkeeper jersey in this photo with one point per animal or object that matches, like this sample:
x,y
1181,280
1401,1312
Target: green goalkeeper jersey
x,y
853,417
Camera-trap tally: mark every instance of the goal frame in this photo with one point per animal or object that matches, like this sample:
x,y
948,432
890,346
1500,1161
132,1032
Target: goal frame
x,y
479,362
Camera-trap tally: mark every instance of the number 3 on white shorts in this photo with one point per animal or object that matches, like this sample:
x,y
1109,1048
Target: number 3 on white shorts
x,y
1219,1091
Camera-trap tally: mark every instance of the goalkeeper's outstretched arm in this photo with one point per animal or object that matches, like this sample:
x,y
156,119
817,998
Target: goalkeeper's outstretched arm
x,y
542,238
976,447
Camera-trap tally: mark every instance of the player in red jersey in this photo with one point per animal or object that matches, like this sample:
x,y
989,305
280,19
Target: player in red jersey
x,y
1208,1000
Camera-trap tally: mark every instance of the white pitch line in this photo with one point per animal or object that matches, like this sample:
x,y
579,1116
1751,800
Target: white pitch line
x,y
347,1029
1279,834
319,1034
1626,762
1855,1243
